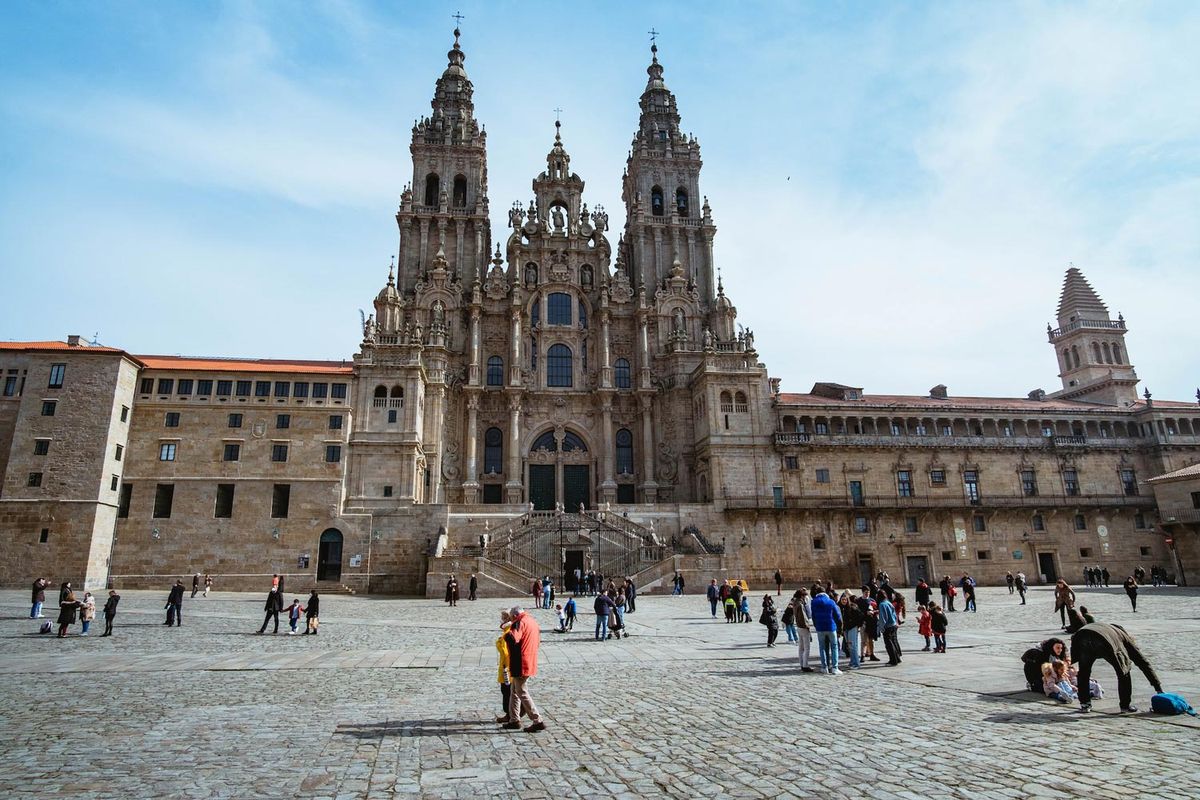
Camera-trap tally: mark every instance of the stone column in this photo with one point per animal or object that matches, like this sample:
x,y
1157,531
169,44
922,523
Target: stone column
x,y
606,372
475,367
608,484
649,485
514,358
471,484
512,485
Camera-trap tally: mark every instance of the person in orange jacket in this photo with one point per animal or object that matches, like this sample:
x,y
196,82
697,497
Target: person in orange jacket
x,y
523,638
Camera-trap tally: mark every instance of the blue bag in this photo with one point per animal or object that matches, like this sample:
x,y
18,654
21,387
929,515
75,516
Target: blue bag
x,y
1166,703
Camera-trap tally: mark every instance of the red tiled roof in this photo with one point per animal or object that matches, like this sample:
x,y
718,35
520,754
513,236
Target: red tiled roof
x,y
54,345
1191,471
246,365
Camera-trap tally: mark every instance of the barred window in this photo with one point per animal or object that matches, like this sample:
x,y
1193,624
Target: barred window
x,y
624,452
558,365
621,373
495,371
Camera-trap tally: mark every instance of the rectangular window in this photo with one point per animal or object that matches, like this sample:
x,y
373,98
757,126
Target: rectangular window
x,y
114,483
123,503
971,485
147,385
166,385
48,407
300,389
242,389
335,422
35,479
204,388
979,523
1006,430
10,386
1080,522
338,392
822,476
172,420
1144,551
281,496
937,477
904,483
44,536
1139,519
896,429
224,388
791,462
983,555
818,543
279,452
861,525
387,491
1129,482
233,452
777,496
1071,482
282,388
41,447
947,555
164,494
166,451
185,386
57,373
947,430
821,427
120,451
224,509
262,388
920,430
320,390
333,453
124,413
283,421
910,525
1038,523
1029,483
235,420
1085,552
392,417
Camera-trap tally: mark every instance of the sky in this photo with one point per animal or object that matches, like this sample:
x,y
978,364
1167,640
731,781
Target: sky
x,y
898,187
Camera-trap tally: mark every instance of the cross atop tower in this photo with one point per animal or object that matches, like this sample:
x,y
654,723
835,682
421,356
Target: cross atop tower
x,y
458,18
558,115
653,35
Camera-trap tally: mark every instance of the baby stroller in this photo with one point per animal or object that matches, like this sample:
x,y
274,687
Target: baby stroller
x,y
615,627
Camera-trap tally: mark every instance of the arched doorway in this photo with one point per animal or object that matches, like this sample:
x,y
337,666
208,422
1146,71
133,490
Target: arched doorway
x,y
559,472
329,556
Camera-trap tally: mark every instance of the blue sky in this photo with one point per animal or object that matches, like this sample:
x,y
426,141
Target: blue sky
x,y
898,187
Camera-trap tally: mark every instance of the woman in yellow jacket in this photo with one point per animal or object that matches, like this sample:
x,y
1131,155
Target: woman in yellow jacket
x,y
502,663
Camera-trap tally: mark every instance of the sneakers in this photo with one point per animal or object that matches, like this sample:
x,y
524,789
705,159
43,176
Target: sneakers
x,y
836,671
535,727
1083,709
1129,709
291,633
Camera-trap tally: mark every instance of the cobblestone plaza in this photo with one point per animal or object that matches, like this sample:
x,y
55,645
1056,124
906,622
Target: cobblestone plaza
x,y
396,698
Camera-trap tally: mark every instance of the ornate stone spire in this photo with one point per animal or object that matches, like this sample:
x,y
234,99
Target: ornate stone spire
x,y
660,116
1079,300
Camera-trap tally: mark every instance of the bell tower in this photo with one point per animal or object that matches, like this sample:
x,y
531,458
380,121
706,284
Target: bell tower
x,y
666,217
1093,362
445,207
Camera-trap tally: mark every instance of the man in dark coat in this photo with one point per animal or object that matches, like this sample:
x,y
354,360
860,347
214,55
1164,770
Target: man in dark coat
x,y
1111,643
110,611
312,613
778,582
473,586
273,606
175,605
39,598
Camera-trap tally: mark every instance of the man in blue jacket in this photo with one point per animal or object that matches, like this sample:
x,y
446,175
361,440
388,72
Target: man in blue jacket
x,y
889,623
826,618
603,606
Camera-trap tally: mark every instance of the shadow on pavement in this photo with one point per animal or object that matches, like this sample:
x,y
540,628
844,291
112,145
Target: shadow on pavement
x,y
419,727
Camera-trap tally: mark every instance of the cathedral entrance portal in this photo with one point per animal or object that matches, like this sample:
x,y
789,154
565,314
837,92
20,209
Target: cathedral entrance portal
x,y
560,471
576,484
541,487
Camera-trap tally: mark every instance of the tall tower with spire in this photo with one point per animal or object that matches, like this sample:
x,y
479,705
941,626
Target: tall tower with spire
x,y
666,220
1093,361
445,207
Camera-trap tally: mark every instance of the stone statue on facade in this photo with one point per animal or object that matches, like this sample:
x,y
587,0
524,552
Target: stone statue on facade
x,y
557,215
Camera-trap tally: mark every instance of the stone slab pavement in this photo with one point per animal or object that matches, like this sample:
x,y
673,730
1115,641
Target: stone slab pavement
x,y
395,699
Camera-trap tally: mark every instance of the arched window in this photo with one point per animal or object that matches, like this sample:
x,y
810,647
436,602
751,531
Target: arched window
x,y
381,391
495,371
433,189
1075,355
681,202
545,442
739,403
1066,358
398,391
621,373
571,441
624,452
1096,354
558,309
1107,354
558,366
656,201
460,191
493,451
726,403
1116,354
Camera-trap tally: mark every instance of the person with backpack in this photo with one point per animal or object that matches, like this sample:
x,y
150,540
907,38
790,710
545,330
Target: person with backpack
x,y
1101,641
1021,586
938,624
788,618
769,619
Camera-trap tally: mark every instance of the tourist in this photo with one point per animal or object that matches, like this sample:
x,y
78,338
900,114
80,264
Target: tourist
x,y
523,640
1139,574
273,606
452,591
562,619
631,595
1021,586
195,585
1131,589
603,607
898,603
1011,581
280,585
63,591
947,593
1101,641
891,628
87,612
1104,575
502,673
714,597
922,592
925,627
1088,619
826,618
620,604
803,613
735,591
969,595
1055,683
852,621
67,608
208,582
294,611
110,611
778,582
39,598
744,609
472,587
175,605
547,593
616,624
537,593
731,609
1064,598
312,613
570,611
1050,650
870,611
938,624
788,618
770,619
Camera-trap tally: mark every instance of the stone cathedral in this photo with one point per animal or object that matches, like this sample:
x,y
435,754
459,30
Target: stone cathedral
x,y
575,399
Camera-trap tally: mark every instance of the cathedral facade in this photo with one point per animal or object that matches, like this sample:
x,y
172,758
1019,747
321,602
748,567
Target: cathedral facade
x,y
563,384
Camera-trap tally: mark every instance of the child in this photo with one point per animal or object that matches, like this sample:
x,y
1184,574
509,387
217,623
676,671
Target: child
x,y
562,619
925,626
294,612
745,611
938,624
789,623
569,608
730,608
87,612
1056,687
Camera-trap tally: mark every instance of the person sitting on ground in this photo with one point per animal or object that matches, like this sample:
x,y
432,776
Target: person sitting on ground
x,y
1054,687
1052,649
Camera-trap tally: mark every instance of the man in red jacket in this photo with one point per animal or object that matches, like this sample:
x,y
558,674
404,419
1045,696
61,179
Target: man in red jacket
x,y
523,639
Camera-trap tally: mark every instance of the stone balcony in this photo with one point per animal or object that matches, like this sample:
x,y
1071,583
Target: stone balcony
x,y
985,502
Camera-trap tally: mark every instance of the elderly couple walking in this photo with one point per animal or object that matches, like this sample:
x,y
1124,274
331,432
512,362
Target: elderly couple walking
x,y
517,646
